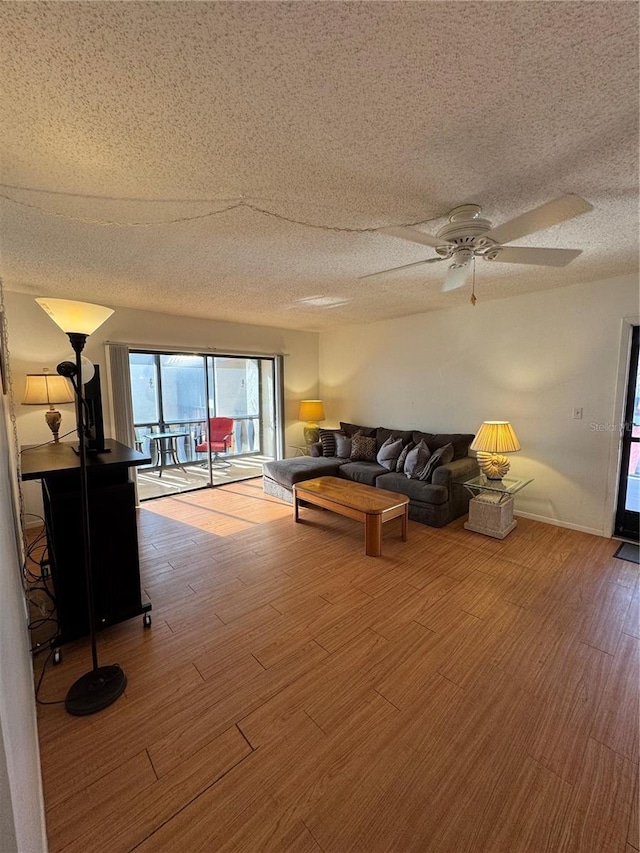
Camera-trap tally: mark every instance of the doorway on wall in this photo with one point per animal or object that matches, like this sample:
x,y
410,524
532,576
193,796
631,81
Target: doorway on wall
x,y
204,420
627,524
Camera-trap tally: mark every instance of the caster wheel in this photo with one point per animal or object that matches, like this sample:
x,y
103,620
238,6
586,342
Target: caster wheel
x,y
57,657
146,620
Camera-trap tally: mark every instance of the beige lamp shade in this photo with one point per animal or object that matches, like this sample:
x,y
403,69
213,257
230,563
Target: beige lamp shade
x,y
311,411
47,389
81,318
492,440
496,437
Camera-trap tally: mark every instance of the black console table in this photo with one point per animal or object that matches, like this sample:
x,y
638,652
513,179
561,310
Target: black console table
x,y
113,529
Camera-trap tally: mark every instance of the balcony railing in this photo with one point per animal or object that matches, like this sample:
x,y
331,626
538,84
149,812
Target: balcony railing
x,y
246,437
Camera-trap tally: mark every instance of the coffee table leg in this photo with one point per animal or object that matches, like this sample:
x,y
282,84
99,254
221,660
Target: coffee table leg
x,y
373,535
295,507
405,519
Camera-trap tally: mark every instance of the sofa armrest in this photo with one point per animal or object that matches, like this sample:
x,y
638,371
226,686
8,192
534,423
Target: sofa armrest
x,y
456,472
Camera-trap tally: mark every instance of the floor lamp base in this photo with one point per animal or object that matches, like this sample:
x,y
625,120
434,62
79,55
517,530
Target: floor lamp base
x,y
95,690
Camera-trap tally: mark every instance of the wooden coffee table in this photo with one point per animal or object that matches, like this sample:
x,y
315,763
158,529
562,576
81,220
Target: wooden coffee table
x,y
355,500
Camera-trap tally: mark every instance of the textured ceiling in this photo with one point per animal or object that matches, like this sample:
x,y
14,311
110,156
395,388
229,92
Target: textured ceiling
x,y
354,115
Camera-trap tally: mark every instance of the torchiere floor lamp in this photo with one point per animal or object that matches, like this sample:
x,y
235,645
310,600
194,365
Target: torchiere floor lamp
x,y
100,687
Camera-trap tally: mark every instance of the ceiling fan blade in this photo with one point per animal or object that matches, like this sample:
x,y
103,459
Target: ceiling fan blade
x,y
456,277
415,236
559,210
405,267
542,257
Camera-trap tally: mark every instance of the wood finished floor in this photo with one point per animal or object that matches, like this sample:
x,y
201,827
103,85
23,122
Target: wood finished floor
x,y
295,696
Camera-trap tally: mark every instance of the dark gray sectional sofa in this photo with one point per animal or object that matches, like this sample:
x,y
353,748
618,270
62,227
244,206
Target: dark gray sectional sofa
x,y
436,502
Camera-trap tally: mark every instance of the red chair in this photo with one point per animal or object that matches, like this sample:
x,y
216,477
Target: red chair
x,y
220,439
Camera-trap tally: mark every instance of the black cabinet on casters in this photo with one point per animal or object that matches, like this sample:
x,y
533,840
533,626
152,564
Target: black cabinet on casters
x,y
113,530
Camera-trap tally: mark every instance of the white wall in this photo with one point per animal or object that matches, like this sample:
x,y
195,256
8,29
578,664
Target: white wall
x,y
21,805
530,359
36,342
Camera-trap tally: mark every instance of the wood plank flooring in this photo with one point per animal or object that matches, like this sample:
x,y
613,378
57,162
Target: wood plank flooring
x,y
456,694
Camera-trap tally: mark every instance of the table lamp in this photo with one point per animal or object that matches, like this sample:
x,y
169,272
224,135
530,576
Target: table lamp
x,y
311,411
47,389
492,440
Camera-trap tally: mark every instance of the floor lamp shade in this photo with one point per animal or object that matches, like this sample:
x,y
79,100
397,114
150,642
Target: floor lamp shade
x,y
81,318
493,439
48,389
311,411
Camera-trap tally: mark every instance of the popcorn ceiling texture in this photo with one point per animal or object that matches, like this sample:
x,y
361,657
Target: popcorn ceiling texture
x,y
347,114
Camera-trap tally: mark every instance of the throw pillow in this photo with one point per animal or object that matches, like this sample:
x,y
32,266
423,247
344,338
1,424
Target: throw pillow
x,y
363,448
441,456
328,440
403,456
388,454
416,460
343,446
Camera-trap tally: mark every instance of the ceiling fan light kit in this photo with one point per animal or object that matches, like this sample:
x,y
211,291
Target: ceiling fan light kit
x,y
468,235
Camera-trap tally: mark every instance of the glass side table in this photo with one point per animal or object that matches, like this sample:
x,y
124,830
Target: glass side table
x,y
491,507
300,449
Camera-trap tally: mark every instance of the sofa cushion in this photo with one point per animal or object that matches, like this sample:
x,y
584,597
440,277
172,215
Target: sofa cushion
x,y
417,437
441,456
383,434
415,490
388,454
287,472
363,448
459,440
351,429
362,472
343,446
416,460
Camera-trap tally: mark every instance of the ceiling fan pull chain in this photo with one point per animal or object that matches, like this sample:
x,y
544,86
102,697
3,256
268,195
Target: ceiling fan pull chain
x,y
473,299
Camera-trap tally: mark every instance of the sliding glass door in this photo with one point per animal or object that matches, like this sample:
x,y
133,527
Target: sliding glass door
x,y
202,419
628,509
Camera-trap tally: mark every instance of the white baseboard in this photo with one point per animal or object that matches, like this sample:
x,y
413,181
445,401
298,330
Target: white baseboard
x,y
557,523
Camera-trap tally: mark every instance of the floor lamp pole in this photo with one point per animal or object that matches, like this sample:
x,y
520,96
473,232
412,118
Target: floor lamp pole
x,y
99,688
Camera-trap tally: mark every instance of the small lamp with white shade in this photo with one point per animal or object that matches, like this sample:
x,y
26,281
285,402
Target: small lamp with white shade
x,y
48,389
493,439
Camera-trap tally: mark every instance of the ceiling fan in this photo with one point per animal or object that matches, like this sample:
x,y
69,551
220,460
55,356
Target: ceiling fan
x,y
467,236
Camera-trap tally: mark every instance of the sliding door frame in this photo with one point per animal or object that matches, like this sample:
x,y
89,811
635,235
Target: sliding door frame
x,y
615,451
626,521
276,361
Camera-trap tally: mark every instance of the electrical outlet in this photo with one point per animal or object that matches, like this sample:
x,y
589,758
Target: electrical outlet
x,y
577,413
